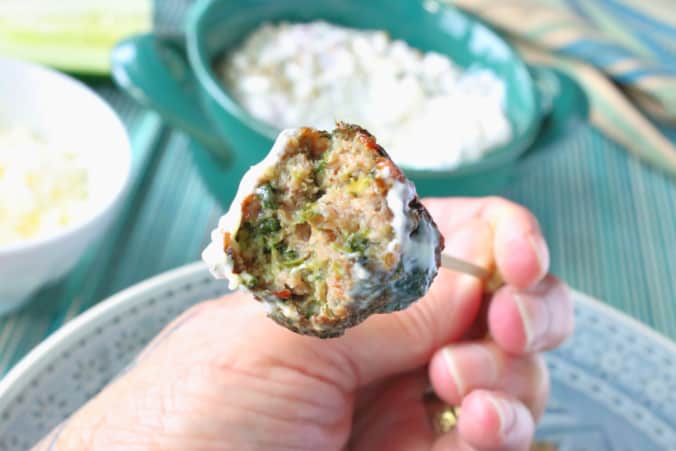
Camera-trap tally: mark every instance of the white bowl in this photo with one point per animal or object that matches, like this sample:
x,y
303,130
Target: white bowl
x,y
61,108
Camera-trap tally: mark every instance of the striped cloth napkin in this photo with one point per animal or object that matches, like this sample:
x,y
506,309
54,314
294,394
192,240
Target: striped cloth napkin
x,y
622,52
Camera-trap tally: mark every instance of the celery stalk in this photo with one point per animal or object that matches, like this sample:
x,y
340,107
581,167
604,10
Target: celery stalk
x,y
71,35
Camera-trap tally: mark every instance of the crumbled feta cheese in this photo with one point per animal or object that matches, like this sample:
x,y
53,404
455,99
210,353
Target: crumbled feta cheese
x,y
427,112
42,188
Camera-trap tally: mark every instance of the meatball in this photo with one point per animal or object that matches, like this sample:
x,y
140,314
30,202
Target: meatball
x,y
325,231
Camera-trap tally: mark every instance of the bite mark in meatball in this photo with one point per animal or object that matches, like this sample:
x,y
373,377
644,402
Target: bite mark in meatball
x,y
326,231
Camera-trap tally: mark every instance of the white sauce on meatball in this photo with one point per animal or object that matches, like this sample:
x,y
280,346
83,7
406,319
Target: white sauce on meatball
x,y
220,264
416,250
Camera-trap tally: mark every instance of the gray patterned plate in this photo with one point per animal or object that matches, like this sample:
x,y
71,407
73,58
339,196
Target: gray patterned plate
x,y
613,383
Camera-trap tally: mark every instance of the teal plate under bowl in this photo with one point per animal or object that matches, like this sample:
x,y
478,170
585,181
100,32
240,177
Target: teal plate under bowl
x,y
174,75
613,382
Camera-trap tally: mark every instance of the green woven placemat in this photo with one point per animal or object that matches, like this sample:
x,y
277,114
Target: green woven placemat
x,y
611,224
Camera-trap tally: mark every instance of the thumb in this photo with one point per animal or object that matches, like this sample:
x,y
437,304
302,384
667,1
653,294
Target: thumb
x,y
397,342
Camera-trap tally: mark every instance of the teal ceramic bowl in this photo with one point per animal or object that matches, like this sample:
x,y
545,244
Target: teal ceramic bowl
x,y
174,75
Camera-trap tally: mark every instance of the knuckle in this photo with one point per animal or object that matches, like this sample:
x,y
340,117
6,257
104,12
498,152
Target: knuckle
x,y
502,203
500,207
496,200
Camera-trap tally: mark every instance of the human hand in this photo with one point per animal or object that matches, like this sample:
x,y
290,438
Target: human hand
x,y
222,376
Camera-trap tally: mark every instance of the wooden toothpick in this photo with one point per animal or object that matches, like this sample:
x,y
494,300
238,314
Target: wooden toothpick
x,y
465,267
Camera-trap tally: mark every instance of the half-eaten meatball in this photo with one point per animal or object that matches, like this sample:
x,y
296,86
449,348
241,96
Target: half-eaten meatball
x,y
325,231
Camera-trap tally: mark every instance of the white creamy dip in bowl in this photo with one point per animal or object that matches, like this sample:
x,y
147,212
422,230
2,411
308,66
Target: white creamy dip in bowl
x,y
64,167
182,80
429,113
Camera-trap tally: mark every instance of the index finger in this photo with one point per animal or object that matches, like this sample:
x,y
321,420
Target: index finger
x,y
518,248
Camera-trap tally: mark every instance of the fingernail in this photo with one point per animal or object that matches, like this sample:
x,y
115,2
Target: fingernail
x,y
470,366
452,367
541,252
506,414
534,317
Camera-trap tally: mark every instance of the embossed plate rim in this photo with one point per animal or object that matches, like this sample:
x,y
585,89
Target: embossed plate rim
x,y
35,363
37,360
